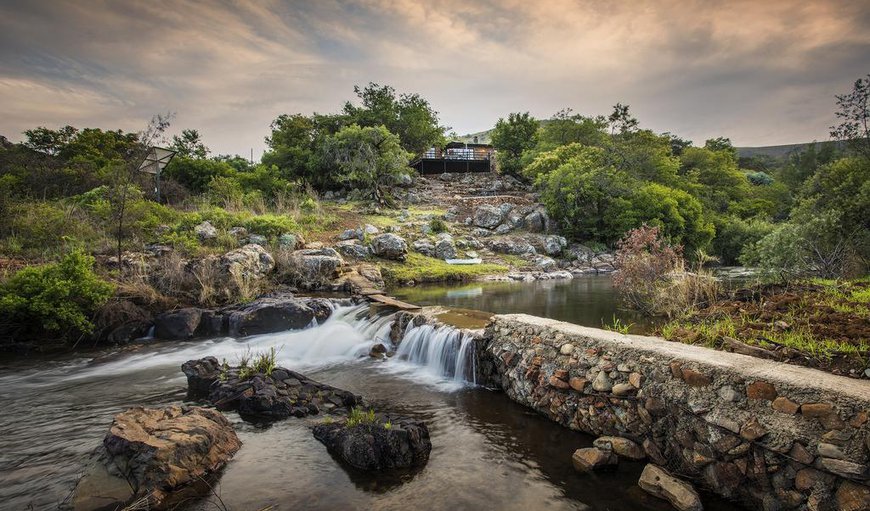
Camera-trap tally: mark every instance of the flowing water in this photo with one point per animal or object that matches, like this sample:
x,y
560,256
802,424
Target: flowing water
x,y
488,452
587,300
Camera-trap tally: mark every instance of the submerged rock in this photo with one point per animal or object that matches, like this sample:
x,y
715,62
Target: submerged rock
x,y
152,456
660,483
590,459
385,443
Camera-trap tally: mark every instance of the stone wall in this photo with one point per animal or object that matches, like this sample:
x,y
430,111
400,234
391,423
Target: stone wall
x,y
766,434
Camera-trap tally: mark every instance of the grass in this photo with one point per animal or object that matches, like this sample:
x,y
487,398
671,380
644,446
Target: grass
x,y
251,364
616,325
419,268
358,417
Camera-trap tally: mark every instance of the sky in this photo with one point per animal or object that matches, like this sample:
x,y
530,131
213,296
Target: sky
x,y
761,72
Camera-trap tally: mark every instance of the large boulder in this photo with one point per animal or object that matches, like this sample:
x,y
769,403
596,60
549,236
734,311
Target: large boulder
x,y
317,264
178,325
510,246
267,315
353,249
658,482
488,217
536,221
156,457
250,261
445,249
424,247
201,374
390,246
379,444
553,245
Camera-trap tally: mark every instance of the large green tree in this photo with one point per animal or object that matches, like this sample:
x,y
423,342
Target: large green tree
x,y
513,136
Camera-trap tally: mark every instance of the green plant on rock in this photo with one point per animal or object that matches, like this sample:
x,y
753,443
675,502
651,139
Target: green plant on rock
x,y
358,417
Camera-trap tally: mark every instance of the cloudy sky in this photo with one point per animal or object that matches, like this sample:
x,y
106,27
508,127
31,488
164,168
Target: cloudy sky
x,y
761,72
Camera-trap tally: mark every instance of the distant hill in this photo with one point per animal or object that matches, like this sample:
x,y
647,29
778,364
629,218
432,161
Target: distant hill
x,y
774,151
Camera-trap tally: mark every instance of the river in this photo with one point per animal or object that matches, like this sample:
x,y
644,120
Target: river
x,y
488,452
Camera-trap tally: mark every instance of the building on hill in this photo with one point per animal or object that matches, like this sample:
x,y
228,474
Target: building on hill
x,y
456,157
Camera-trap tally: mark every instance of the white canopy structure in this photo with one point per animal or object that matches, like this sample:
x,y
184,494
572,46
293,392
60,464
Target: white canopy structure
x,y
155,161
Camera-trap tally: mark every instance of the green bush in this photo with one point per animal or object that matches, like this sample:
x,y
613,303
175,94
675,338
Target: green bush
x,y
42,229
57,299
733,234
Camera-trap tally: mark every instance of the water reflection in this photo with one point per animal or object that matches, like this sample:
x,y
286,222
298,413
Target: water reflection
x,y
585,300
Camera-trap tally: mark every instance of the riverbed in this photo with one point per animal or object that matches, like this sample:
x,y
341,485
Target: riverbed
x,y
488,452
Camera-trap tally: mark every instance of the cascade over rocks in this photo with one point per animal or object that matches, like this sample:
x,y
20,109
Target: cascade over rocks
x,y
386,443
156,456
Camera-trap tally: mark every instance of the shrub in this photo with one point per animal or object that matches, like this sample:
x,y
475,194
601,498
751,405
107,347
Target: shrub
x,y
58,298
760,178
645,261
438,225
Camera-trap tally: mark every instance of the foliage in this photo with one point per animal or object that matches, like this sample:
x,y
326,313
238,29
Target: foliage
x,y
513,136
438,225
358,417
409,116
367,158
733,234
760,178
58,299
679,215
189,145
645,262
616,325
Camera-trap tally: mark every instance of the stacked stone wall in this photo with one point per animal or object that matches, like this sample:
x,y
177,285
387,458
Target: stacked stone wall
x,y
768,435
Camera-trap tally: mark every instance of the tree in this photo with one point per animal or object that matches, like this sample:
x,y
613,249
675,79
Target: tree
x,y
48,141
407,115
367,158
854,115
621,121
721,144
566,128
512,137
189,145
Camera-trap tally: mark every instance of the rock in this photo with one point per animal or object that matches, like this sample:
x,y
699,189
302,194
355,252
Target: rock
x,y
238,232
623,447
761,390
177,325
590,459
267,397
378,351
623,389
853,497
257,239
752,430
817,410
200,375
488,217
444,249
511,246
727,393
558,383
695,378
424,247
658,482
535,221
544,263
352,249
370,229
351,234
602,383
553,245
504,228
317,264
150,454
785,405
635,379
268,315
248,262
403,444
577,383
389,246
566,349
843,468
205,231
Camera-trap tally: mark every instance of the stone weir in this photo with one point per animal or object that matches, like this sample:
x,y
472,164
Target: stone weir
x,y
768,435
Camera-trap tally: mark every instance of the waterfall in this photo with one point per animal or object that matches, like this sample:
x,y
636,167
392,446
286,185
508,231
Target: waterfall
x,y
442,351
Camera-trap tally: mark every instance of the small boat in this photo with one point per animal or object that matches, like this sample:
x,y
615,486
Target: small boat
x,y
476,260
